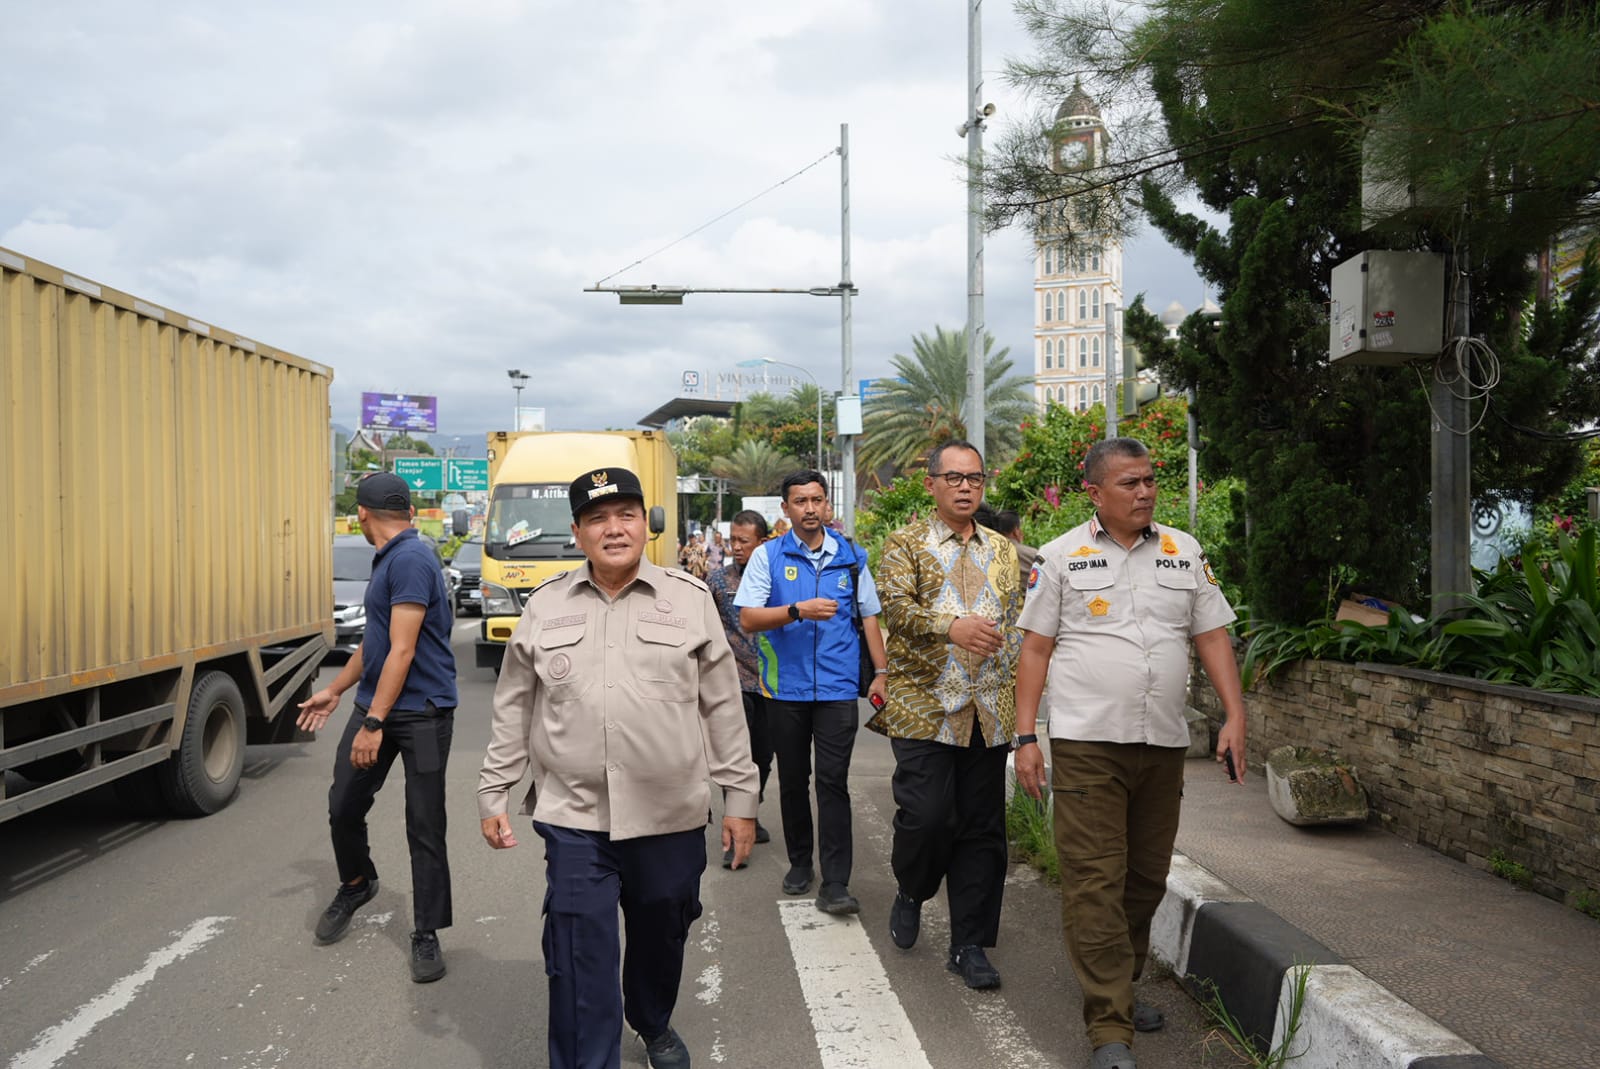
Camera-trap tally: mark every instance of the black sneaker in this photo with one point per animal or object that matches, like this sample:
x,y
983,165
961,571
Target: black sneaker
x,y
427,960
667,1051
336,918
762,834
836,898
798,880
905,920
973,965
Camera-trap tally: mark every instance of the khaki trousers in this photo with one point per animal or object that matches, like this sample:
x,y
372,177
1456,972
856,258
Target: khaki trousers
x,y
1115,819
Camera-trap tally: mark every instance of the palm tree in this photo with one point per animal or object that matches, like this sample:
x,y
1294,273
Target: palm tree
x,y
754,468
925,404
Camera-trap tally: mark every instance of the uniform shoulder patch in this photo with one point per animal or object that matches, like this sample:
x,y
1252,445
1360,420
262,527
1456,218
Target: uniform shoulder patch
x,y
687,578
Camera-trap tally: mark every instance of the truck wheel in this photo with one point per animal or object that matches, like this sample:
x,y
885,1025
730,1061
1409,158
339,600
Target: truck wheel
x,y
202,775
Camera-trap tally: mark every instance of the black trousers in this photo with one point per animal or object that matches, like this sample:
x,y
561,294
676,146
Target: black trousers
x,y
422,742
829,727
656,881
756,719
950,826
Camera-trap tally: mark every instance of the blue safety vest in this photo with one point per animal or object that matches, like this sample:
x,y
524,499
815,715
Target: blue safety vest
x,y
811,660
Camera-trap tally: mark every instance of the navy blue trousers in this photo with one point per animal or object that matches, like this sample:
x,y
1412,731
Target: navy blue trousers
x,y
422,742
656,880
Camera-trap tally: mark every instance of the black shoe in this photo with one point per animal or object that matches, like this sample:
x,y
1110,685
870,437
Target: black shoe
x,y
727,858
762,834
667,1051
427,960
973,965
798,880
836,898
905,920
336,918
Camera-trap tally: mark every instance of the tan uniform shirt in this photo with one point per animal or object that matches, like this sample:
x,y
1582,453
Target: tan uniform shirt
x,y
620,708
1122,620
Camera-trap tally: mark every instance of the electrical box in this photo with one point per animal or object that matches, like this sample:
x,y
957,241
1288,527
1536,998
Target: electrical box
x,y
1388,308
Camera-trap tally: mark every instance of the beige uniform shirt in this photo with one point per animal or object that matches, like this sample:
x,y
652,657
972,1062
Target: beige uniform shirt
x,y
1122,620
620,709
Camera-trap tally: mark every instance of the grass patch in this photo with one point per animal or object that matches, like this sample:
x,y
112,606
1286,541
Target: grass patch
x,y
1028,829
1227,1035
1587,902
1518,874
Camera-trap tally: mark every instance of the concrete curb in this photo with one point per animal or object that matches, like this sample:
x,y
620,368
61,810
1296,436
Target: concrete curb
x,y
1216,938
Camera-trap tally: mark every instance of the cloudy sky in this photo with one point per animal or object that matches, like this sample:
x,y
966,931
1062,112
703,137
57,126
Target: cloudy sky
x,y
416,192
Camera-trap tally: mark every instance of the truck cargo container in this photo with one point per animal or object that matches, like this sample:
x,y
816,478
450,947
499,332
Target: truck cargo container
x,y
528,534
167,545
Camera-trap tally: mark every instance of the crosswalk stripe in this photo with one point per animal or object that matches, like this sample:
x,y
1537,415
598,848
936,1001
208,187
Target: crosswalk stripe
x,y
858,1020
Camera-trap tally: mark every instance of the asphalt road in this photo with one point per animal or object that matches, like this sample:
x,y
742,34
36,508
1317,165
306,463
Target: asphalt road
x,y
188,943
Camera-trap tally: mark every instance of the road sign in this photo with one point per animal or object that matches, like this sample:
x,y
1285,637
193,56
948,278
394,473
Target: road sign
x,y
464,474
422,474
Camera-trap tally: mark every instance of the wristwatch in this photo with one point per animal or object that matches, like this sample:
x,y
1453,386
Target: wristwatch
x,y
1023,740
373,723
794,611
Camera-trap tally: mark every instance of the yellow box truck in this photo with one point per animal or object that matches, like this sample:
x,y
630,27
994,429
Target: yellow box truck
x,y
528,534
167,560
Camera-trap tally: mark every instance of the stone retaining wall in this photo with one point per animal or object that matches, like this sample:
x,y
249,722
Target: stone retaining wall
x,y
1464,767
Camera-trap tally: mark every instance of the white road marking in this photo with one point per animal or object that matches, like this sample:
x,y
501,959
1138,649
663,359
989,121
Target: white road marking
x,y
710,979
858,1020
56,1042
33,963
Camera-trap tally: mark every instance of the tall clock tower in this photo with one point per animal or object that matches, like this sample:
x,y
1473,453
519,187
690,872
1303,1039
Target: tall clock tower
x,y
1075,278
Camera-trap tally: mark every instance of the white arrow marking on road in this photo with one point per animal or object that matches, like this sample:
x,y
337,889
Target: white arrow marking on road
x,y
56,1042
858,1020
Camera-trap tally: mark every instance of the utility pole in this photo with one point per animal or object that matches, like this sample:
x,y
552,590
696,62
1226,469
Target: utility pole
x,y
847,442
977,111
1110,309
1450,397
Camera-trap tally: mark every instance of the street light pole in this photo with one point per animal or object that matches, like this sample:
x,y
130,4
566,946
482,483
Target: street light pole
x,y
764,360
519,379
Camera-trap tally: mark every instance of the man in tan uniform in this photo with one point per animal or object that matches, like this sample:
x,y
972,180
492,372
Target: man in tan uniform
x,y
1113,606
620,696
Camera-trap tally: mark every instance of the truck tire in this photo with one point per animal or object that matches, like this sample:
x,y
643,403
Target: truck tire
x,y
202,775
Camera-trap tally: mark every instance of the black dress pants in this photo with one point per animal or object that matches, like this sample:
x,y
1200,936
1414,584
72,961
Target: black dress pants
x,y
951,826
422,741
830,727
756,719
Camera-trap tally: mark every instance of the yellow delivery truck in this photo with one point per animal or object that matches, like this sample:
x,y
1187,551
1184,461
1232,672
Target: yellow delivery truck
x,y
166,550
528,534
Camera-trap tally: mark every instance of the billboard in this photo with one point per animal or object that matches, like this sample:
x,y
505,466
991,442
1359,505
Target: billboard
x,y
400,412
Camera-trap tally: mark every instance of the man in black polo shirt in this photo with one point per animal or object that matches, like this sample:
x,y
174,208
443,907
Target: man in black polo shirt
x,y
405,679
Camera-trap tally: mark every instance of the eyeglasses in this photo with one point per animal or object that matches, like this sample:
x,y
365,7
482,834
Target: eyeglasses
x,y
974,479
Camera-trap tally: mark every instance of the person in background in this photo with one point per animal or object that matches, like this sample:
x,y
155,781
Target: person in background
x,y
747,531
1008,523
620,697
1113,608
405,678
951,596
716,550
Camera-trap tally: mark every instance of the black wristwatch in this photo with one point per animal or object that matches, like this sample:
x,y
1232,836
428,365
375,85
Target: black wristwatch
x,y
373,723
794,611
1023,740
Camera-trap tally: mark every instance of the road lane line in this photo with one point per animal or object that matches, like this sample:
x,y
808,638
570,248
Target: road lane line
x,y
858,1020
57,1041
37,960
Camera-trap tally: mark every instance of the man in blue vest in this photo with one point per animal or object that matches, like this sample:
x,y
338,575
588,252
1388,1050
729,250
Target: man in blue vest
x,y
802,592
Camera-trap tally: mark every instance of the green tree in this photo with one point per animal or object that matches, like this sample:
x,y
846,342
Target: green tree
x,y
404,442
1259,111
754,468
925,404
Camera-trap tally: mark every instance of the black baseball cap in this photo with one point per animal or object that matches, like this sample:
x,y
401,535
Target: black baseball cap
x,y
603,484
384,490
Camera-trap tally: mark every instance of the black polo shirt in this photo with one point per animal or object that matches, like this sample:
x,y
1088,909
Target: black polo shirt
x,y
406,572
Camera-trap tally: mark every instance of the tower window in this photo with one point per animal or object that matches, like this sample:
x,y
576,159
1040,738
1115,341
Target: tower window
x,y
1083,305
1083,352
1047,307
1094,395
1094,258
1094,352
1061,305
1083,398
1094,305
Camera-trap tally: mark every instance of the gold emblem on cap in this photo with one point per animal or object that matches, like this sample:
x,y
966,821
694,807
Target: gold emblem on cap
x,y
601,478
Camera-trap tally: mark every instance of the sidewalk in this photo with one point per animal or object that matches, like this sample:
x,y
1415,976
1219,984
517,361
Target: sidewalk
x,y
1514,974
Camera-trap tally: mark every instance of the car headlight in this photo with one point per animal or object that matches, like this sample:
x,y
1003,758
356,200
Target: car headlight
x,y
498,601
350,614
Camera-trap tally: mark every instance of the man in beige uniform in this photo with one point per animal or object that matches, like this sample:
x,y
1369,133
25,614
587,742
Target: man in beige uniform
x,y
619,694
1112,607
